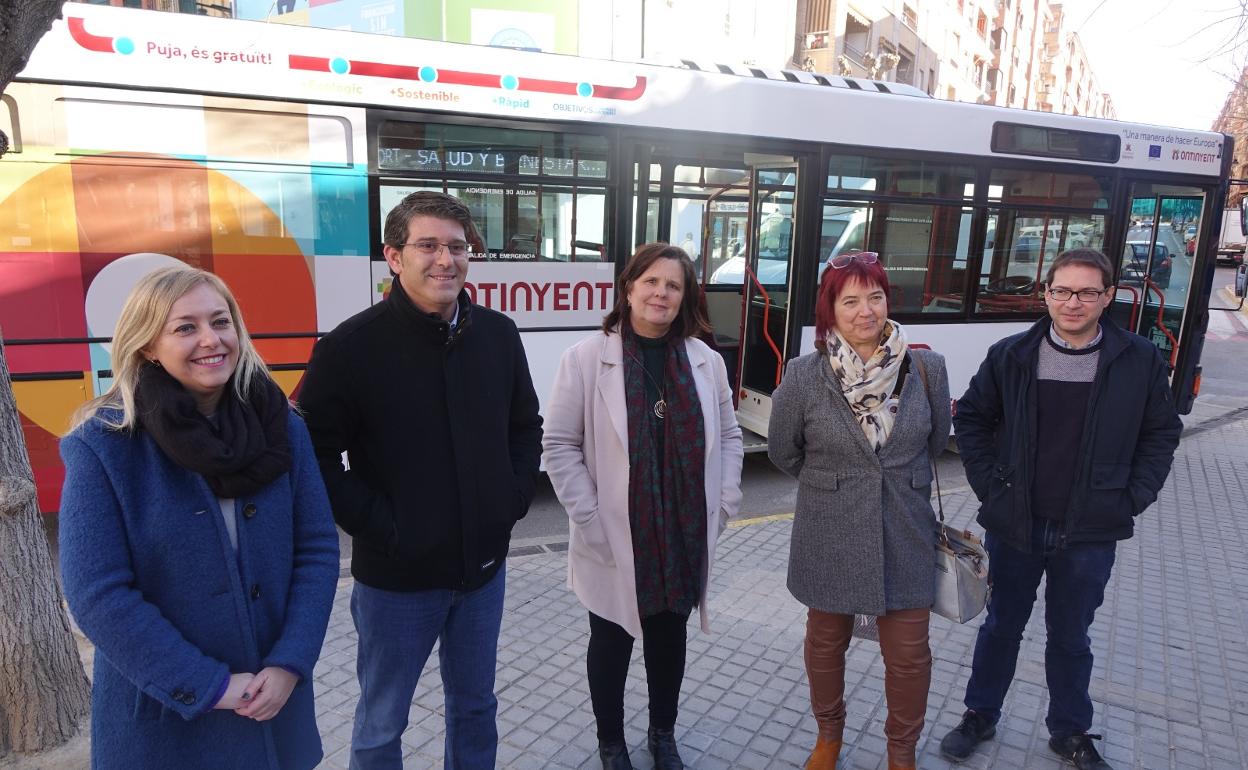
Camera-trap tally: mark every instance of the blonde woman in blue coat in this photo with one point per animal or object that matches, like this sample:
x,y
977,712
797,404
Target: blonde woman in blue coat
x,y
197,546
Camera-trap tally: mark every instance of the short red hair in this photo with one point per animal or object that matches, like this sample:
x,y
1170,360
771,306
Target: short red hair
x,y
833,283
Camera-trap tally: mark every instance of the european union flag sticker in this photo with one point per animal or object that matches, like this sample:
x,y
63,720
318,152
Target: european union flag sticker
x,y
1154,151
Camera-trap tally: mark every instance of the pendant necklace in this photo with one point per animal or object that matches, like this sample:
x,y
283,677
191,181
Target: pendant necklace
x,y
660,406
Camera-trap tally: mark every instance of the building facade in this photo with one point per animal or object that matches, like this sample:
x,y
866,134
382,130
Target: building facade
x,y
1233,120
1067,84
1017,42
1011,53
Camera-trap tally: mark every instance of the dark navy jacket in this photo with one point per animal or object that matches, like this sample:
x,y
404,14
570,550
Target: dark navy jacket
x,y
154,583
443,435
1129,437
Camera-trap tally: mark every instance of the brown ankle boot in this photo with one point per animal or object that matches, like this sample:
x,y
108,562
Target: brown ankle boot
x,y
825,755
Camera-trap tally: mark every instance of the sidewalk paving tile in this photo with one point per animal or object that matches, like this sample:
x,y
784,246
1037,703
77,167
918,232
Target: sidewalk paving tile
x,y
1170,684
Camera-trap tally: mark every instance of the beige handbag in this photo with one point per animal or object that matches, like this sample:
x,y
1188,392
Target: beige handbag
x,y
962,588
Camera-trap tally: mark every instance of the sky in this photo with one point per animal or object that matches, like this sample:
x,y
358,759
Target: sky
x,y
1167,62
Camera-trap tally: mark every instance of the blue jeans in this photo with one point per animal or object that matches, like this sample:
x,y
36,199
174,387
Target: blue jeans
x,y
396,632
1077,575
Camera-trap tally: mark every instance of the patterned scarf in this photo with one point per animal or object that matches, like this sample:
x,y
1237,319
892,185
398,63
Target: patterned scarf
x,y
666,483
868,385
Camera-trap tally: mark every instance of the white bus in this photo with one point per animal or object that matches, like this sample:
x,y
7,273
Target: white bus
x,y
271,154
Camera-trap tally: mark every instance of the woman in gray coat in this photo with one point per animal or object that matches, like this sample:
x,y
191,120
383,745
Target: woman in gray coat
x,y
857,423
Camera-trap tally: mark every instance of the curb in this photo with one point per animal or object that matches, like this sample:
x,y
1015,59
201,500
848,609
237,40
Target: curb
x,y
1228,294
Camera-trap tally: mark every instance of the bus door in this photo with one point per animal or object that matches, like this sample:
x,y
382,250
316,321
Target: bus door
x,y
1156,269
772,228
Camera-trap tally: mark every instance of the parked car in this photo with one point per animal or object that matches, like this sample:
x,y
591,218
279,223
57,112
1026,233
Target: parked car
x,y
1189,234
1135,263
1027,247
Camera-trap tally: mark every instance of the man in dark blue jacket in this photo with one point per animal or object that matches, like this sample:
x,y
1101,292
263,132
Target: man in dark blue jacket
x,y
429,396
1067,433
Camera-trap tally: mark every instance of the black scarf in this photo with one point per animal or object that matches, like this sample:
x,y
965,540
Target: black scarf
x,y
246,449
666,482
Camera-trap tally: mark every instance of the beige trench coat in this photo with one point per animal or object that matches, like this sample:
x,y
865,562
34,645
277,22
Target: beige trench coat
x,y
586,454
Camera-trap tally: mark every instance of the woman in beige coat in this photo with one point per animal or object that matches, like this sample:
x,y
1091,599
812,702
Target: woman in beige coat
x,y
643,449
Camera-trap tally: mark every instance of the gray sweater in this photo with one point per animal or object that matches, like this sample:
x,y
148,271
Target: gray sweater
x,y
864,531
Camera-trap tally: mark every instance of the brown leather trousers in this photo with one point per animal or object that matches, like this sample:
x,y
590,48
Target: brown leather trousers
x,y
907,675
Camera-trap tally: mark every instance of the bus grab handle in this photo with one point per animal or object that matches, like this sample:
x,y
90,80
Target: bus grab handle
x,y
766,317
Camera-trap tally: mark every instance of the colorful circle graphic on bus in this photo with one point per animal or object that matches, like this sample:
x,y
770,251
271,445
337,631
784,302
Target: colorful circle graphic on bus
x,y
339,66
69,279
429,74
124,46
509,82
584,90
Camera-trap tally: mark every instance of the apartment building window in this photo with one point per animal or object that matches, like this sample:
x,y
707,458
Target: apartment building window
x,y
909,16
1000,39
905,67
1012,95
856,36
981,25
931,82
977,72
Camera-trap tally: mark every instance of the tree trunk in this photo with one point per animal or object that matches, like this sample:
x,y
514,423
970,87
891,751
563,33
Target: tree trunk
x,y
22,23
44,692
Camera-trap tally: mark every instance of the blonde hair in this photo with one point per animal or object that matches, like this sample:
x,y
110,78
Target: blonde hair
x,y
141,321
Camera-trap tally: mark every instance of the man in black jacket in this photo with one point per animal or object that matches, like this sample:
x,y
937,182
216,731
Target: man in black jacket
x,y
430,397
1067,433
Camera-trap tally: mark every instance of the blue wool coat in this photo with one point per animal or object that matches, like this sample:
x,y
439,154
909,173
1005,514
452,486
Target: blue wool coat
x,y
153,582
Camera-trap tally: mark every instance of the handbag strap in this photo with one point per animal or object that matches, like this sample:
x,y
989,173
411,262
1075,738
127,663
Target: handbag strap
x,y
940,506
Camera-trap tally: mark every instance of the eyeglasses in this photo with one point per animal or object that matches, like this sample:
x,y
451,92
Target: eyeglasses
x,y
843,260
1084,295
432,248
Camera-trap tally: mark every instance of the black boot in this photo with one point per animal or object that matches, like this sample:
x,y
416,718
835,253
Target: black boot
x,y
960,742
662,744
614,756
1079,751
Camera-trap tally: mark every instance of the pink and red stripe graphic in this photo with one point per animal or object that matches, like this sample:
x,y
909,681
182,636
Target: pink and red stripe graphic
x,y
475,79
103,44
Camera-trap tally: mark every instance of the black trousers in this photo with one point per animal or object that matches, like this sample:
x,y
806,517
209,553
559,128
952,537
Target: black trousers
x,y
611,647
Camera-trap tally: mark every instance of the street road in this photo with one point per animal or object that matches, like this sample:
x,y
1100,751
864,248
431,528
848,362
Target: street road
x,y
1225,356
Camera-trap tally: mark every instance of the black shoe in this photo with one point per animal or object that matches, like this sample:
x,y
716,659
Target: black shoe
x,y
663,749
614,756
960,742
1079,751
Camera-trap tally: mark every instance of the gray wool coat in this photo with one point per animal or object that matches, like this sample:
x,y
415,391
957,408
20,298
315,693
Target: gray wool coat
x,y
864,533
